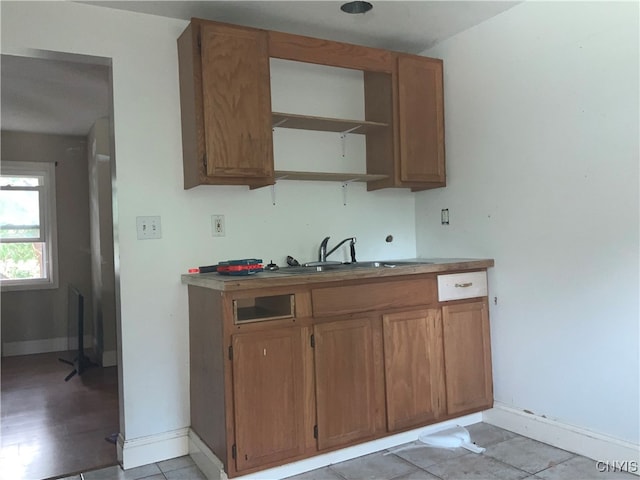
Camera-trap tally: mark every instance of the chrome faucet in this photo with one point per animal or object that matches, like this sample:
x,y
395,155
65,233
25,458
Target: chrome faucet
x,y
323,254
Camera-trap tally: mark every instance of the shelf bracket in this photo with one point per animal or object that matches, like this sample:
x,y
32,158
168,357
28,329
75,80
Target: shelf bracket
x,y
343,137
273,188
277,124
345,186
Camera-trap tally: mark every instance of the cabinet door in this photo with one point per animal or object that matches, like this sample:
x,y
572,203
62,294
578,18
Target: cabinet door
x,y
236,102
414,370
267,369
349,381
421,120
467,357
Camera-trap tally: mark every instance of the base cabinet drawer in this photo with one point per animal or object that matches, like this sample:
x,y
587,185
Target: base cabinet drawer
x,y
457,286
373,297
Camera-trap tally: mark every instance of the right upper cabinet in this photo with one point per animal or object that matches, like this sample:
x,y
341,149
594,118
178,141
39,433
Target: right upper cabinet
x,y
421,120
411,99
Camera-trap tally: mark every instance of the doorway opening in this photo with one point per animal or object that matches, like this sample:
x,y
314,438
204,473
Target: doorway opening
x,y
57,112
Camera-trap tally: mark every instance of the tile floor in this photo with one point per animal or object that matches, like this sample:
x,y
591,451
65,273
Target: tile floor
x,y
181,468
508,456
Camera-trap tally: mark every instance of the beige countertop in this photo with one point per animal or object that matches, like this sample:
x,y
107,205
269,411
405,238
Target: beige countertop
x,y
280,278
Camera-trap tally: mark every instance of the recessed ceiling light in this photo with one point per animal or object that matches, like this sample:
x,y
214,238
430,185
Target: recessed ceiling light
x,y
356,7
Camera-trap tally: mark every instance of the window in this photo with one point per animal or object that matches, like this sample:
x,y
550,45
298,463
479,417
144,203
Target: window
x,y
28,250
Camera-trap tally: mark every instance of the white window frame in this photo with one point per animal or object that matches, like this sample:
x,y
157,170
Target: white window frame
x,y
49,231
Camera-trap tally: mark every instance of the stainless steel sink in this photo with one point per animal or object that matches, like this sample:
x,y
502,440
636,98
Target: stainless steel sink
x,y
306,270
386,264
338,267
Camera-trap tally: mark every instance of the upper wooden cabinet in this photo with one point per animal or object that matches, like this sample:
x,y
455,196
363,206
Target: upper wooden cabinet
x,y
411,99
227,120
421,120
236,102
226,105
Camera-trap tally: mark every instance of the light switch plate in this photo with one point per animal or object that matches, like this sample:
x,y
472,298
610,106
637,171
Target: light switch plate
x,y
444,216
148,228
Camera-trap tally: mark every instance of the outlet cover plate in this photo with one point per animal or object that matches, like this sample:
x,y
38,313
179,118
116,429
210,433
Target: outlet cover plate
x,y
217,226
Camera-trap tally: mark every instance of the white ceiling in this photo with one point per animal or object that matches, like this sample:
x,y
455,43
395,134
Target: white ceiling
x,y
407,26
63,97
52,96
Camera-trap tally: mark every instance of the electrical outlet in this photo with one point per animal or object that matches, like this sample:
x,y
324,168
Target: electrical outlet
x,y
148,228
217,226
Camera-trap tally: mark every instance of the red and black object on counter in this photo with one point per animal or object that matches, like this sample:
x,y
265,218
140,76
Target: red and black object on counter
x,y
245,266
207,269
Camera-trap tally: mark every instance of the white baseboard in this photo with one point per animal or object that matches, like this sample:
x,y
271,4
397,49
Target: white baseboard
x,y
212,466
45,345
154,448
204,458
109,358
568,437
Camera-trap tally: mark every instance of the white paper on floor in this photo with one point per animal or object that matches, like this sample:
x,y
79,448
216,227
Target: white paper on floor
x,y
452,437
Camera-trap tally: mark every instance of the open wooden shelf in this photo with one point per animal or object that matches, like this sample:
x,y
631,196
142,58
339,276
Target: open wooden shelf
x,y
306,122
327,177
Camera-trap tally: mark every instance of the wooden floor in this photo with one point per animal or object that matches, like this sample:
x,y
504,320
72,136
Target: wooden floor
x,y
52,428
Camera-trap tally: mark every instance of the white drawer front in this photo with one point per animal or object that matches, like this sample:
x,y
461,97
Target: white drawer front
x,y
456,286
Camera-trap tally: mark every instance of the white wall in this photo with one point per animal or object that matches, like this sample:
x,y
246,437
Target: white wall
x,y
542,161
148,162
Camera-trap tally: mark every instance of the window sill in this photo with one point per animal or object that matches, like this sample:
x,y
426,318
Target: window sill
x,y
13,286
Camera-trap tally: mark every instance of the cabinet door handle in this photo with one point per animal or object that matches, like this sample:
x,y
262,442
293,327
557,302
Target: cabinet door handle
x,y
463,285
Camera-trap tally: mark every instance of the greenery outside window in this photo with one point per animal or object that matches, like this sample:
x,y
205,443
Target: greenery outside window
x,y
28,250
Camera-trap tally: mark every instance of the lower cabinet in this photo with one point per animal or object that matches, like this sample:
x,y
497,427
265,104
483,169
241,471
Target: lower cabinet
x,y
467,356
267,370
414,370
282,374
349,381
